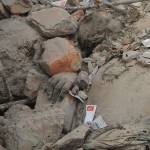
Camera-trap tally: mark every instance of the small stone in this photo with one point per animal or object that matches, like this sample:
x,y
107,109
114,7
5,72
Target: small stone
x,y
82,95
83,79
131,63
60,56
130,55
144,59
146,54
115,26
74,2
72,140
90,67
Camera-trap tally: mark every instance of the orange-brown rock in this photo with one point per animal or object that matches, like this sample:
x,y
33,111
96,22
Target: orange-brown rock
x,y
60,56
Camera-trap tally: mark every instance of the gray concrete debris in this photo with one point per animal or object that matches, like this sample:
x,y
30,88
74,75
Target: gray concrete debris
x,y
60,56
17,39
33,82
72,140
29,129
130,55
17,6
53,22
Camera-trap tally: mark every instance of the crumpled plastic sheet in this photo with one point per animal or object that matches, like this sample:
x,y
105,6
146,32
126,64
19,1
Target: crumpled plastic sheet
x,y
129,137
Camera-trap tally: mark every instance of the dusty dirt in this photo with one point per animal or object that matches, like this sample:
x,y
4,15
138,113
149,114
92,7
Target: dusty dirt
x,y
124,100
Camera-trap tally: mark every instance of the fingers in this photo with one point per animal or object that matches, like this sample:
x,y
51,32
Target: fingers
x,y
65,88
57,91
51,87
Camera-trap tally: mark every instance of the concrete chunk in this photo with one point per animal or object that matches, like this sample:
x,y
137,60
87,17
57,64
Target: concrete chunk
x,y
53,22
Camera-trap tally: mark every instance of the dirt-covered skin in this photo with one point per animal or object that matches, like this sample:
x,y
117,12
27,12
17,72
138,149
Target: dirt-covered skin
x,y
58,85
16,41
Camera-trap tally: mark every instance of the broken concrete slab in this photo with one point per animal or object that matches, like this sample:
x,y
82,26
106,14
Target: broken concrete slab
x,y
53,22
60,56
72,140
130,55
33,82
29,128
68,105
17,6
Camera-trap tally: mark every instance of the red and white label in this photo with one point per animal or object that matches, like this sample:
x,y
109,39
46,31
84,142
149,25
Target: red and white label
x,y
90,113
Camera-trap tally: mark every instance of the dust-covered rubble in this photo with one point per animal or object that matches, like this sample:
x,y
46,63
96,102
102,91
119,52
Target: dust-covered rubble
x,y
55,61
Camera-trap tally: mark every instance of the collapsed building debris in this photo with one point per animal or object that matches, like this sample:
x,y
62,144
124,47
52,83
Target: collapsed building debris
x,y
74,75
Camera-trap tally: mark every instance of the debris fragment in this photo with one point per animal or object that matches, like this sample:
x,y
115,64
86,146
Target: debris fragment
x,y
72,140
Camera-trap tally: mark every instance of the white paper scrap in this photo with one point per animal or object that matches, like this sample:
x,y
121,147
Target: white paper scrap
x,y
76,96
99,123
146,43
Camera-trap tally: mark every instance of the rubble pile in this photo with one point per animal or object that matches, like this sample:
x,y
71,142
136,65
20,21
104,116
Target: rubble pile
x,y
74,74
